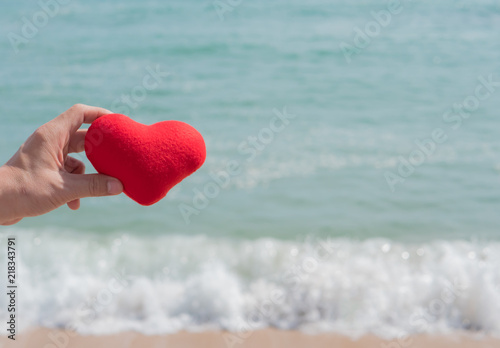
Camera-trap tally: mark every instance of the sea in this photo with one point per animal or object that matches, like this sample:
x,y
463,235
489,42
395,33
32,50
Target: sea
x,y
352,179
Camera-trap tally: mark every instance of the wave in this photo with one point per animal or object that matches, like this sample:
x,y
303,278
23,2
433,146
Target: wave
x,y
119,282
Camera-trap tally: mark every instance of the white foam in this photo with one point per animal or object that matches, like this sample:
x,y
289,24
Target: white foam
x,y
164,284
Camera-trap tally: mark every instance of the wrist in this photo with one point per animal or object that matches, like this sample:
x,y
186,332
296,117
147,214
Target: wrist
x,y
9,196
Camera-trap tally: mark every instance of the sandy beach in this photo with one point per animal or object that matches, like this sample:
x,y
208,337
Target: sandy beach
x,y
264,338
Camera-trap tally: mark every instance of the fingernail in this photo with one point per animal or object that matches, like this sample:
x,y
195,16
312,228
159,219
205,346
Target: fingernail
x,y
114,187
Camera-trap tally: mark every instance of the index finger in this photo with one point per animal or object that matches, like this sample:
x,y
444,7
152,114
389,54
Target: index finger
x,y
78,114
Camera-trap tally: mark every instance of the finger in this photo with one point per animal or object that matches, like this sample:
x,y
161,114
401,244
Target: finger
x,y
74,205
77,141
74,166
12,222
92,185
73,118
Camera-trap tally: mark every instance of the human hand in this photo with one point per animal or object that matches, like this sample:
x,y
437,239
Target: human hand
x,y
41,176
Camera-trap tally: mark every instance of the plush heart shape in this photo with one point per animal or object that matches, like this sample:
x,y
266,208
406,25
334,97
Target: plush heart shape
x,y
148,160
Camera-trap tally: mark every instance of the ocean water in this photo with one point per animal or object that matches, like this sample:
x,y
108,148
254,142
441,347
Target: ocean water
x,y
373,207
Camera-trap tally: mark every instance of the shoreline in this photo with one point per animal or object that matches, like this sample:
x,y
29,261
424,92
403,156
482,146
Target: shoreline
x,y
52,338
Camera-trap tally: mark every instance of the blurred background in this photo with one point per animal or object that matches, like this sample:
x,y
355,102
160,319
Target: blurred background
x,y
361,81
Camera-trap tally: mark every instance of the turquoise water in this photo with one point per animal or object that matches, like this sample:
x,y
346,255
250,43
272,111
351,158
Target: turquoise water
x,y
323,176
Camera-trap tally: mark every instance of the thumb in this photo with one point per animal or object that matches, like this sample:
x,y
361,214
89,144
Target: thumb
x,y
93,185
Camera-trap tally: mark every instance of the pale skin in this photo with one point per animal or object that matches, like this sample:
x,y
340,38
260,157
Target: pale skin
x,y
41,177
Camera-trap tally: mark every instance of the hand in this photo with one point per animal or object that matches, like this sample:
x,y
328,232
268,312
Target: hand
x,y
42,177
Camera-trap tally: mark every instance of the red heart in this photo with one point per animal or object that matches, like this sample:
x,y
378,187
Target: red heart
x,y
148,160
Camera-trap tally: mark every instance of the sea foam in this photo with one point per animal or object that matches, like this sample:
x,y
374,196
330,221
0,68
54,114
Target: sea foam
x,y
164,284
